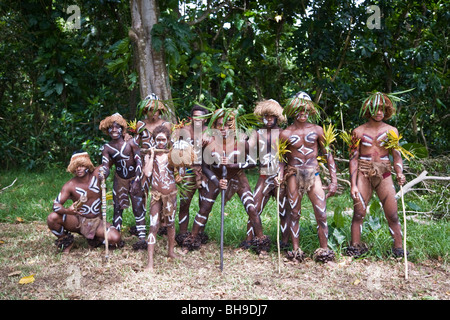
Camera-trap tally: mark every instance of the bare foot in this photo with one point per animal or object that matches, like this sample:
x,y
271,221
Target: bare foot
x,y
184,251
67,249
172,255
263,254
149,268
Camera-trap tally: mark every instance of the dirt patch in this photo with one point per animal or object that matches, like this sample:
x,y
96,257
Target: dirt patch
x,y
28,249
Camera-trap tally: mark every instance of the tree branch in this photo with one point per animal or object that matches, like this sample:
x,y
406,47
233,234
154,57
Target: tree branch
x,y
207,13
423,176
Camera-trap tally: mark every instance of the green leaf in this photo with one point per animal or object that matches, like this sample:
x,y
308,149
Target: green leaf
x,y
375,208
417,149
414,206
339,236
59,88
374,223
338,217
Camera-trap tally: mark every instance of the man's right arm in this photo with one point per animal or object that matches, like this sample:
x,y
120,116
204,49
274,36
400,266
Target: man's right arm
x,y
353,165
58,203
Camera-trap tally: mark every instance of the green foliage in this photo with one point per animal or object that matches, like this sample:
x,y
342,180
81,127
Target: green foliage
x,y
56,84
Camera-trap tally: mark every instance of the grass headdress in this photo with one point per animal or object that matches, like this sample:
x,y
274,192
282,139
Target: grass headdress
x,y
106,123
80,159
270,107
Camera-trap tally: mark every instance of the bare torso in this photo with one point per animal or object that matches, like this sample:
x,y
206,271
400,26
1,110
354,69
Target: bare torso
x,y
303,144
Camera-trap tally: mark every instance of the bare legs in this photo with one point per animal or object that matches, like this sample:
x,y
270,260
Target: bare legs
x,y
62,225
386,193
155,211
317,198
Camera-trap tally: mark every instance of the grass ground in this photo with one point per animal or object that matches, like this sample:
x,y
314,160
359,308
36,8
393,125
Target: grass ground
x,y
26,248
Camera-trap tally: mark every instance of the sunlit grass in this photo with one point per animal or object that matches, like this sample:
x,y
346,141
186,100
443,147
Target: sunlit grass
x,y
31,199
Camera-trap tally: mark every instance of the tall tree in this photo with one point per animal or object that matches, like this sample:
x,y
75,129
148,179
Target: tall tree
x,y
153,75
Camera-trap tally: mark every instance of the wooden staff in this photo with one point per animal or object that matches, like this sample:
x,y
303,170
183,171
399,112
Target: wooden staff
x,y
278,225
222,217
404,235
105,231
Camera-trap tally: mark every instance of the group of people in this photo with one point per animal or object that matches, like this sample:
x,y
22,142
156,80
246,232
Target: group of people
x,y
160,160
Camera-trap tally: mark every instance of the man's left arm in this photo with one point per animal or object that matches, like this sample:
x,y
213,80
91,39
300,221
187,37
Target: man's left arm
x,y
398,164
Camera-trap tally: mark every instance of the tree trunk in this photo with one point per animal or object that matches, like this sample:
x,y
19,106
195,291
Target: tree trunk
x,y
153,75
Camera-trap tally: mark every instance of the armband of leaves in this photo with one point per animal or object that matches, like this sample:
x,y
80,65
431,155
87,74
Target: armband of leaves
x,y
351,140
392,142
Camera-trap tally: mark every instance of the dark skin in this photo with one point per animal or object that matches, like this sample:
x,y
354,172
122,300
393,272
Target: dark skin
x,y
305,140
126,157
187,133
217,146
371,147
264,141
82,181
153,120
162,180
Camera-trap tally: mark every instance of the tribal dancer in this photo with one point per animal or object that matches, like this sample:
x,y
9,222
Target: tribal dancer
x,y
163,192
301,174
155,112
191,135
370,169
84,215
263,142
125,155
154,108
229,149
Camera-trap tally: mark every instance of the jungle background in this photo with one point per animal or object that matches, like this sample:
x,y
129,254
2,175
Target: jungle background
x,y
58,80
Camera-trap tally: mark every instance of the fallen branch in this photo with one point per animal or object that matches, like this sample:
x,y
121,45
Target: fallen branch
x,y
9,185
423,176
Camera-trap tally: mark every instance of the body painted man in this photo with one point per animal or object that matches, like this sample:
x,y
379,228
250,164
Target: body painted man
x,y
263,142
370,170
125,155
84,215
226,148
301,173
163,204
191,136
154,110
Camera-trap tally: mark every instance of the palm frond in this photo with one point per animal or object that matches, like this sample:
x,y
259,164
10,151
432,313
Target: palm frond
x,y
350,140
392,142
282,150
377,99
186,185
329,135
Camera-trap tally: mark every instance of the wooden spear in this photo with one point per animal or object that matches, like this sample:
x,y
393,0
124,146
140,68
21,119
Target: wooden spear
x,y
105,231
278,228
222,217
405,255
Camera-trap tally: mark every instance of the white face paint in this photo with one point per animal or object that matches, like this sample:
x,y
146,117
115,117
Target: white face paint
x,y
161,140
115,131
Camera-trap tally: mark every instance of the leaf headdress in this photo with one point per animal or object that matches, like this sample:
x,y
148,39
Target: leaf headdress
x,y
387,101
302,102
238,118
152,103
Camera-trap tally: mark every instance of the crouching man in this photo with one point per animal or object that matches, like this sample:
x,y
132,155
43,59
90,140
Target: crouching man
x,y
83,216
